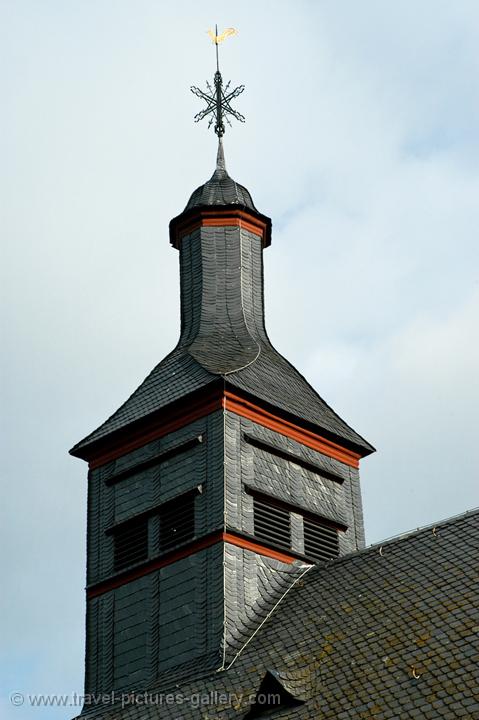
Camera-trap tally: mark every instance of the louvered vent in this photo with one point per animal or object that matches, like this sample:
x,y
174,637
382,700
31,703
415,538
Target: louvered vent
x,y
320,541
130,543
272,523
177,521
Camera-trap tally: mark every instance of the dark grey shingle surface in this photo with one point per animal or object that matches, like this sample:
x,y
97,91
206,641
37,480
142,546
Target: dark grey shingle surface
x,y
220,189
175,377
270,378
273,379
223,335
382,633
223,330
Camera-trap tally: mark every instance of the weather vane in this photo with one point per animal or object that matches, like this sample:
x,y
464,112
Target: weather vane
x,y
218,99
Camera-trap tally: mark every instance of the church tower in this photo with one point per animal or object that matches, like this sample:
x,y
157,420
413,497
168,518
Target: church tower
x,y
221,478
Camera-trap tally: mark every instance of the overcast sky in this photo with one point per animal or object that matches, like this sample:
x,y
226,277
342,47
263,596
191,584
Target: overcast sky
x,y
361,143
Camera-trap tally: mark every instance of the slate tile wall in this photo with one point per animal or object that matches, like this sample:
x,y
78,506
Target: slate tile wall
x,y
157,623
222,297
191,608
198,611
109,504
140,629
264,471
191,282
131,620
253,585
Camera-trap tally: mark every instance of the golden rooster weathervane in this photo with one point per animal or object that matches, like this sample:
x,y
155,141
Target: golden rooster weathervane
x,y
218,99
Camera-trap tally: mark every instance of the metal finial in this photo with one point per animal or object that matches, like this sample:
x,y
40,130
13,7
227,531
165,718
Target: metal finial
x,y
218,99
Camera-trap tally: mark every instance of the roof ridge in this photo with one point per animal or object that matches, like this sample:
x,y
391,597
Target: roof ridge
x,y
430,526
400,537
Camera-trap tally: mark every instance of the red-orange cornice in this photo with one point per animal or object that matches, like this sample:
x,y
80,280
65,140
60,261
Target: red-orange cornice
x,y
257,414
213,399
226,216
161,425
146,568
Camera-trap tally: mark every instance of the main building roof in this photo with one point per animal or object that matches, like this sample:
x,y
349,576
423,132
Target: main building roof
x,y
391,632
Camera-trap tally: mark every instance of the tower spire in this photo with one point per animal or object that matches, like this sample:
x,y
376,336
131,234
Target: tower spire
x,y
220,171
221,475
215,40
218,99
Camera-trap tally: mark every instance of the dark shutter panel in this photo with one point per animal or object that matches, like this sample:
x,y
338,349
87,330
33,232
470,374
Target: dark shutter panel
x,y
320,541
272,523
177,521
130,543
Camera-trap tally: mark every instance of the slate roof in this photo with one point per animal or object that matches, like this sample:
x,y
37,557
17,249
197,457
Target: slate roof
x,y
271,378
220,189
390,632
229,348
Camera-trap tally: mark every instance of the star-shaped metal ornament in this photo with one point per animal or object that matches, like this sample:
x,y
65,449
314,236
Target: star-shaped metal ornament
x,y
218,99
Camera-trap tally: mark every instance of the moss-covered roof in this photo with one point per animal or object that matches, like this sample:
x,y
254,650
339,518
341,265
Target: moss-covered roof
x,y
388,632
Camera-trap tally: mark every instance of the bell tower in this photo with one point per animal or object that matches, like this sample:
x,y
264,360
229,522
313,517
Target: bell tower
x,y
222,476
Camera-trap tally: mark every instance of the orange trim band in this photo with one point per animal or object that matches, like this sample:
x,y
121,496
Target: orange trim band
x,y
220,218
150,567
225,400
246,409
221,222
162,429
257,548
226,537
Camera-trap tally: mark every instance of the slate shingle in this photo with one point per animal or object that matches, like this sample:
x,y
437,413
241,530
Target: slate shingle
x,y
223,334
370,635
220,189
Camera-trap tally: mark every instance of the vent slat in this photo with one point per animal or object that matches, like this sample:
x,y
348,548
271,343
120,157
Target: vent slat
x,y
272,523
268,531
176,526
130,544
173,522
269,506
318,547
329,546
322,537
271,510
279,518
123,560
177,519
170,523
321,542
270,517
277,541
177,522
271,520
126,545
323,547
318,555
